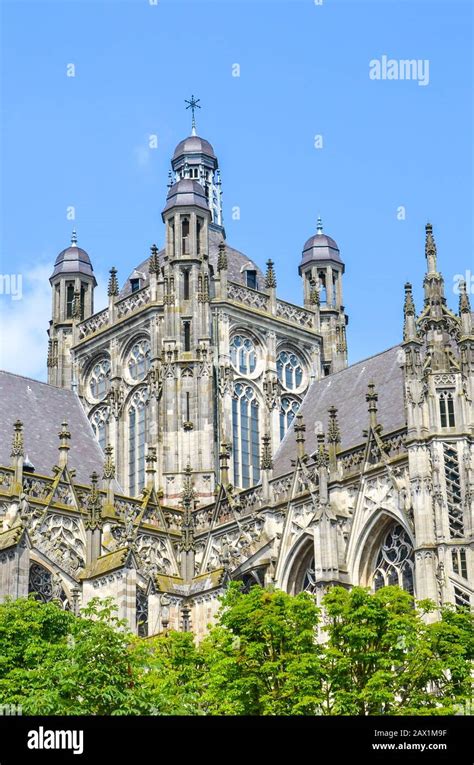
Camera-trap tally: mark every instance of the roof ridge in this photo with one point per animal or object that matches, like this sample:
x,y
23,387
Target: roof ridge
x,y
32,379
361,361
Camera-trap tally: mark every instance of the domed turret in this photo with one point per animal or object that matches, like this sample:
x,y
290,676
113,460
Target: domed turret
x,y
186,193
73,260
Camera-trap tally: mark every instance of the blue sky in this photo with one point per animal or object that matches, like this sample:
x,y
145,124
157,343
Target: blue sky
x,y
304,71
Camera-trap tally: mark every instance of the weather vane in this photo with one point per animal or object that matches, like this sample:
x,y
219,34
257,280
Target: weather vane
x,y
193,104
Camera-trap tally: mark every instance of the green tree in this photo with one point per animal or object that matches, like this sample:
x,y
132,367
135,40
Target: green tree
x,y
262,657
382,658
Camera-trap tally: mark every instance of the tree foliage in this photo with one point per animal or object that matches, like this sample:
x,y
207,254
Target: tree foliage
x,y
268,653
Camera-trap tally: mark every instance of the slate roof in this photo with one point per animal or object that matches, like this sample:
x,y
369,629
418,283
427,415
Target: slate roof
x,y
42,408
346,390
236,262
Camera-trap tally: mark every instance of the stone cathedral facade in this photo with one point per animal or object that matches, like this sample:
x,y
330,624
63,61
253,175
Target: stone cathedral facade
x,y
200,429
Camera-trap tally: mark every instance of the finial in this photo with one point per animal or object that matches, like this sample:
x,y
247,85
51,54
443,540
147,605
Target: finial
x,y
372,397
188,493
109,467
64,436
319,225
113,288
430,249
154,266
409,327
334,434
222,257
193,104
270,278
17,444
93,519
321,458
170,179
266,461
224,463
300,429
74,238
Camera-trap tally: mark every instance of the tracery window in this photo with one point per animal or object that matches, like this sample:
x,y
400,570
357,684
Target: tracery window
x,y
246,441
243,355
459,562
288,409
142,613
99,379
139,359
395,561
137,441
289,370
453,491
99,425
45,587
446,409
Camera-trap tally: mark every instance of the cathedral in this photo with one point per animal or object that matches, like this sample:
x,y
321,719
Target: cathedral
x,y
199,429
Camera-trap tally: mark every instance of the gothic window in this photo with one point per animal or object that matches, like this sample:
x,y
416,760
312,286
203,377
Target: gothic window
x,y
461,598
395,561
137,441
251,278
139,359
446,409
288,409
99,425
245,429
251,579
69,300
459,562
99,379
186,284
453,491
289,370
187,335
242,354
322,288
309,577
142,613
185,236
198,233
43,586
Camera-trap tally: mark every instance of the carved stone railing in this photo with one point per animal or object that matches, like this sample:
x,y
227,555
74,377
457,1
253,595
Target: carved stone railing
x,y
351,461
6,480
132,302
281,487
294,314
247,296
93,323
37,488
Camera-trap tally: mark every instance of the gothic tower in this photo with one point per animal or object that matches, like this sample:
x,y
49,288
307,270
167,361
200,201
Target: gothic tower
x,y
439,379
322,268
72,283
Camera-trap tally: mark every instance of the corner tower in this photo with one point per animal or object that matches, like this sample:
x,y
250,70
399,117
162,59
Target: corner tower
x,y
322,268
72,284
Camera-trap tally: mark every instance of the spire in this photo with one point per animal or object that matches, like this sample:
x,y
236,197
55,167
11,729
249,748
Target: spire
x,y
74,238
300,429
319,226
113,288
270,278
64,438
193,104
430,249
409,328
464,302
154,266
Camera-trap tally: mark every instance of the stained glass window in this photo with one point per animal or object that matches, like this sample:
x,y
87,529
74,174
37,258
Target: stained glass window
x,y
246,442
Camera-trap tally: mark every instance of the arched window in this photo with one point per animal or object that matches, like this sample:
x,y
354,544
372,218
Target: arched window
x,y
44,586
137,441
446,409
139,359
246,441
99,425
185,236
242,354
322,288
395,560
142,613
289,370
69,300
288,409
99,379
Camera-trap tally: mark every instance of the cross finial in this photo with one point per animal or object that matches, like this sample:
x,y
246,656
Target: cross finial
x,y
193,104
74,238
319,225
